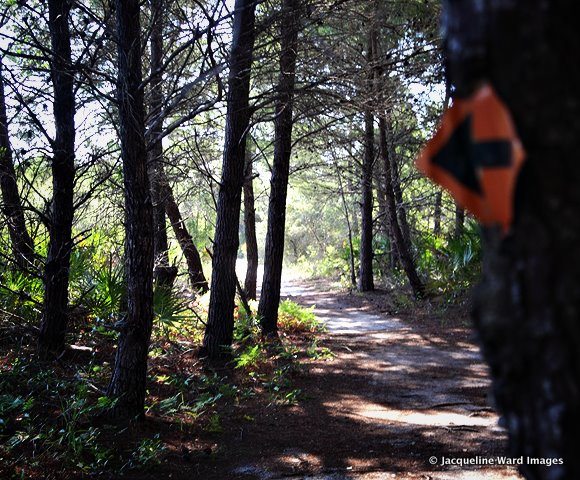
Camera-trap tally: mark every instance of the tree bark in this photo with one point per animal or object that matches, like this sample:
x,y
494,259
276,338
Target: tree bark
x,y
274,251
164,274
437,213
385,224
128,381
401,246
250,228
528,303
220,324
22,245
366,282
56,274
190,252
399,202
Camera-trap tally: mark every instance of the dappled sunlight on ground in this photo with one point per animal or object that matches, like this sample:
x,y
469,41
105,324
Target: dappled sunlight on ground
x,y
391,397
432,417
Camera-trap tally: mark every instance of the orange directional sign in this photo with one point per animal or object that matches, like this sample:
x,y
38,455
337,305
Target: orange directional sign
x,y
477,155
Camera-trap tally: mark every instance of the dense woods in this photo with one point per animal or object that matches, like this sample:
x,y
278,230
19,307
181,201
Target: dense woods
x,y
168,167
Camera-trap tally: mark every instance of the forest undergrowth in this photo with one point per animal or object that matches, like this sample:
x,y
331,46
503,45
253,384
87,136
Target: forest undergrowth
x,y
53,421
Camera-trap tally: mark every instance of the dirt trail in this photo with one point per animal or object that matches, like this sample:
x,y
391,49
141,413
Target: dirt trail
x,y
392,398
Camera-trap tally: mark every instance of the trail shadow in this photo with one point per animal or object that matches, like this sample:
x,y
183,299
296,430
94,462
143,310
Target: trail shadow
x,y
392,398
354,421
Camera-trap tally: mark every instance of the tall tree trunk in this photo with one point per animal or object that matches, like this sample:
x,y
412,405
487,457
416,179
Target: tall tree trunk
x,y
398,193
250,227
366,282
164,274
528,304
22,245
220,323
56,274
403,248
130,371
382,204
437,213
274,251
396,182
190,252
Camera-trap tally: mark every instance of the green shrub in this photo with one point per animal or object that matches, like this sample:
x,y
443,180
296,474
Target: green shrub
x,y
452,264
296,318
20,296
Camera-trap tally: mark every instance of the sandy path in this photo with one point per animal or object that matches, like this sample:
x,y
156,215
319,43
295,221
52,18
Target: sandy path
x,y
391,399
414,384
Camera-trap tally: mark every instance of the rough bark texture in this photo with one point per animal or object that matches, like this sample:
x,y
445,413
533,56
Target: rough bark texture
x,y
366,282
401,246
190,252
56,274
274,252
220,324
130,370
22,245
164,274
528,304
250,228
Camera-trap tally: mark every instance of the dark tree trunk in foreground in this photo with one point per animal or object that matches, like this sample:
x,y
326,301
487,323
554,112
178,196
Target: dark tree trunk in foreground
x,y
164,274
190,252
130,370
401,246
250,228
56,274
22,246
366,282
274,252
220,324
528,304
